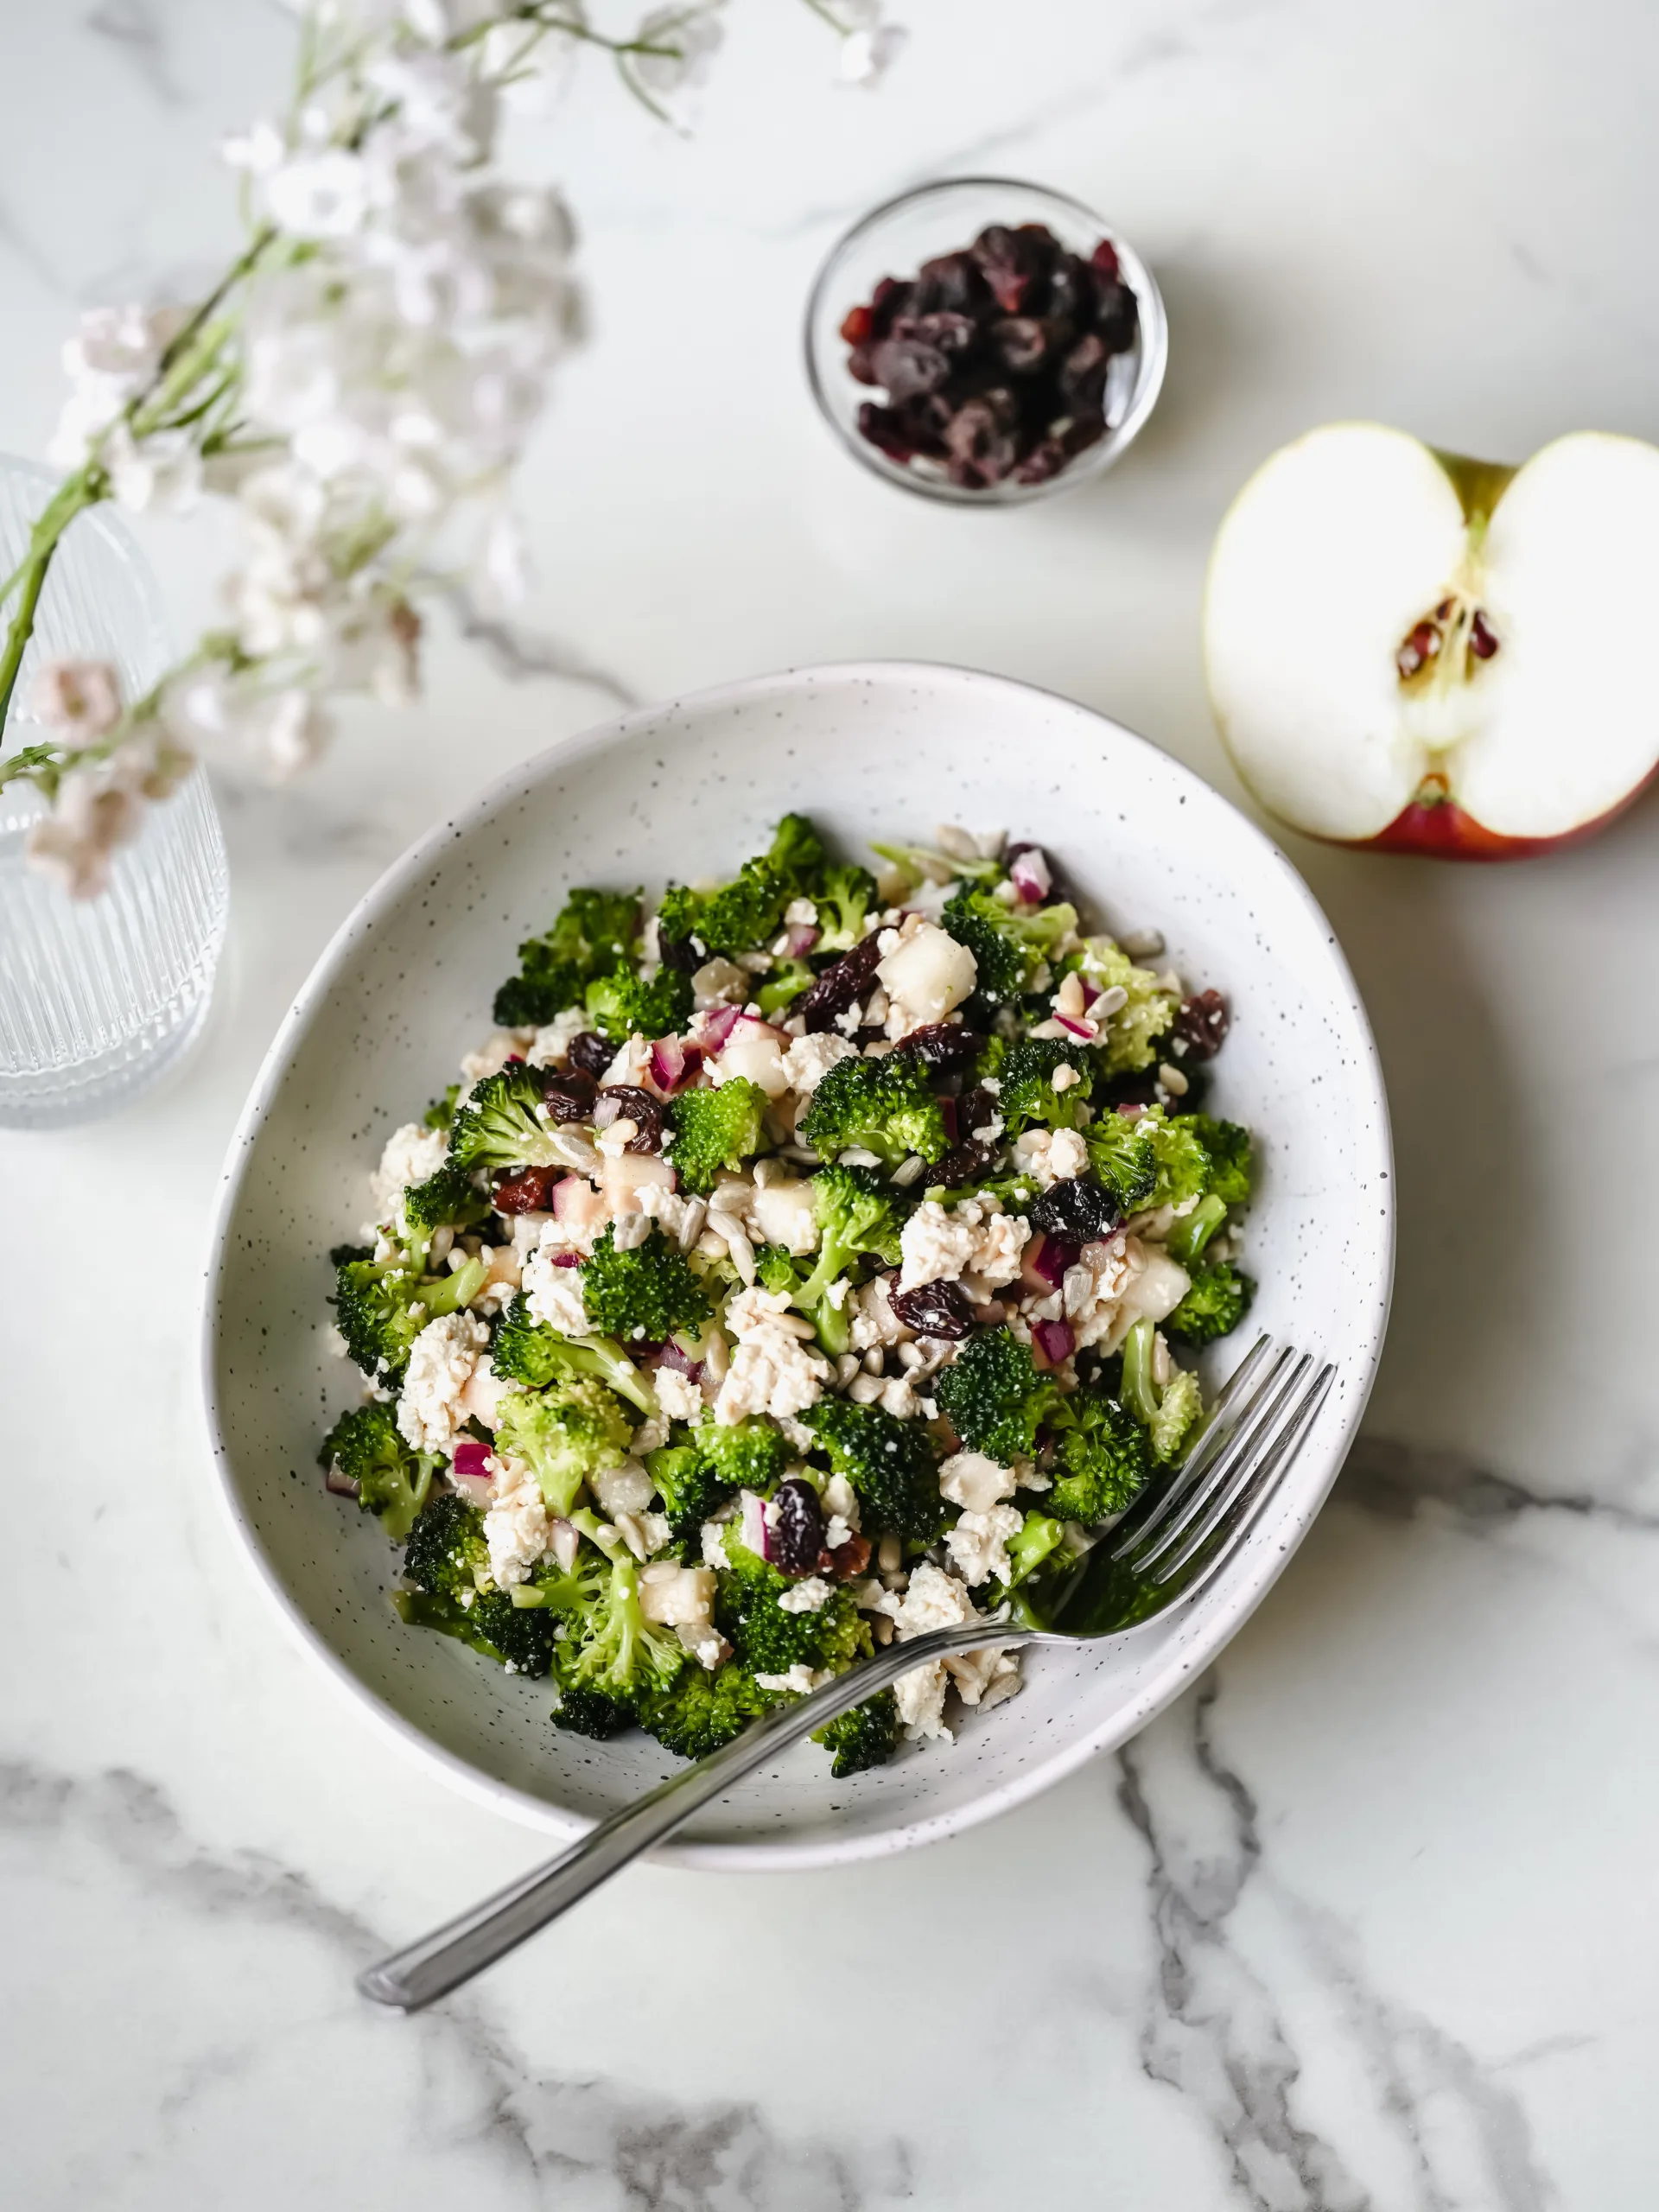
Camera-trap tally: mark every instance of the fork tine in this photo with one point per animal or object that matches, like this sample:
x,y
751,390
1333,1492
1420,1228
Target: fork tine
x,y
1248,1496
1239,1395
1250,1436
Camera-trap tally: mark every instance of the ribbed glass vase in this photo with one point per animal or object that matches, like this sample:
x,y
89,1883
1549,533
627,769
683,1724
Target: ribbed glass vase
x,y
98,996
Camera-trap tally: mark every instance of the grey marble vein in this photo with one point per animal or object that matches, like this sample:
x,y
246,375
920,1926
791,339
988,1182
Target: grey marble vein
x,y
1396,1480
1214,2031
572,2140
523,655
137,29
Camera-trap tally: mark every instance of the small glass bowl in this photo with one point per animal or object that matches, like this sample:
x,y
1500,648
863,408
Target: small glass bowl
x,y
893,240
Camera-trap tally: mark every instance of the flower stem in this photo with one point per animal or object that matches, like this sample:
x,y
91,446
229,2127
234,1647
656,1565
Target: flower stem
x,y
79,492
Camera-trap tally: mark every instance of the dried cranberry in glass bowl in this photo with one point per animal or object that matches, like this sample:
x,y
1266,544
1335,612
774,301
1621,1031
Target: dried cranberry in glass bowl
x,y
994,359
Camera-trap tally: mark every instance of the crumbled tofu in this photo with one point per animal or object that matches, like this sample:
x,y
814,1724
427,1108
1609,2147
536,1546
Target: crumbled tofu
x,y
898,1396
631,1063
978,1544
651,1436
492,1055
970,1240
919,1696
806,1597
934,1599
411,1154
714,1544
704,1641
334,1344
626,1489
797,1681
772,1369
1050,1156
926,976
515,1527
676,1595
970,1480
482,1398
840,1500
554,1296
678,1394
550,1047
1132,1281
441,1365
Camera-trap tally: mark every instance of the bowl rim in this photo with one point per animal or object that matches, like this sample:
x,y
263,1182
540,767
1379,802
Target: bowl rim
x,y
1096,460
1221,1620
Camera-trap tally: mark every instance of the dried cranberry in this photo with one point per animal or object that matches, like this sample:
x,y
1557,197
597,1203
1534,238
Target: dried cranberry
x,y
861,366
590,1053
944,1047
934,1309
908,366
570,1097
976,1111
841,985
858,324
530,1190
1103,260
679,953
848,1561
647,1114
883,430
1117,317
966,1163
1082,375
1201,1025
1079,1209
980,438
795,1530
891,298
1020,342
1012,261
948,1118
951,334
948,285
1482,642
1421,645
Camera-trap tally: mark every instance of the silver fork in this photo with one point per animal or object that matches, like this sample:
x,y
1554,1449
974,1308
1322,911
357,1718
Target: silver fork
x,y
1175,1538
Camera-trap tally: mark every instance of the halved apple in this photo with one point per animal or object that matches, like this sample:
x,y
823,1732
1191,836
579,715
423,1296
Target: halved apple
x,y
1426,654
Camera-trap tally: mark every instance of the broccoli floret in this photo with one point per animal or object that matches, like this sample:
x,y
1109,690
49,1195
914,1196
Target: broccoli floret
x,y
1026,1075
592,936
498,1124
1038,1536
1188,1237
1215,1305
1121,1154
777,1270
448,1199
703,1710
1010,945
391,1480
441,1111
447,1560
865,1737
888,1462
1169,1413
883,1106
617,1650
1180,1409
519,1640
696,1477
745,911
855,1215
445,1554
1230,1149
646,1292
1106,1457
923,864
587,1711
565,1435
770,1641
1132,1032
526,1351
716,1130
844,897
623,1005
995,1398
382,1305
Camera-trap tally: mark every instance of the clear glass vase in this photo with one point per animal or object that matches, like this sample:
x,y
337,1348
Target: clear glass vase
x,y
99,996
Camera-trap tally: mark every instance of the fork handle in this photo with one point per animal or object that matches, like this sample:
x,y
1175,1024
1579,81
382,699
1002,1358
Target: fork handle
x,y
463,1947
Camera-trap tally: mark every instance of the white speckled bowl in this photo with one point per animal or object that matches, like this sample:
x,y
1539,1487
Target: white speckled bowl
x,y
882,748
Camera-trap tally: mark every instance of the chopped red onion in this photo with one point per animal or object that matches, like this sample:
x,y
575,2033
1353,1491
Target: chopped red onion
x,y
1090,991
1030,876
566,1258
752,1526
1053,1341
682,1362
1085,1030
470,1457
718,1024
800,940
1044,1260
341,1485
673,1062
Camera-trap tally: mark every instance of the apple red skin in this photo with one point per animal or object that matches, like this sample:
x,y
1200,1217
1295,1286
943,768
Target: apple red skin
x,y
1439,830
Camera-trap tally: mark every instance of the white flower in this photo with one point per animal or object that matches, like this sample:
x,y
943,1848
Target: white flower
x,y
324,195
163,471
694,36
82,698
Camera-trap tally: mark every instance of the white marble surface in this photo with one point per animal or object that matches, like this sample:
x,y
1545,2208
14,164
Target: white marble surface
x,y
1367,1924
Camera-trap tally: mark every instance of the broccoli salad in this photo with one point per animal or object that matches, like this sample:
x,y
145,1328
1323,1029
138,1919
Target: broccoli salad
x,y
806,1264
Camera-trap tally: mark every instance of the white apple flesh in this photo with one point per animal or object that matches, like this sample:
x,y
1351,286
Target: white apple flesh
x,y
1425,654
